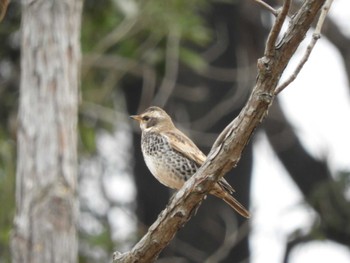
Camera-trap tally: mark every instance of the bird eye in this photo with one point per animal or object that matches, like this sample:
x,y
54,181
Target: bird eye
x,y
146,118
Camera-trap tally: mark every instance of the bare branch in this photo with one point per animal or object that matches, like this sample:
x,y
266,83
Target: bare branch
x,y
171,68
268,7
149,82
276,29
232,237
315,36
325,9
116,35
98,112
296,72
219,46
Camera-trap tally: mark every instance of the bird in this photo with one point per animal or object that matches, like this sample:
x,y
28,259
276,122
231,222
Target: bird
x,y
173,158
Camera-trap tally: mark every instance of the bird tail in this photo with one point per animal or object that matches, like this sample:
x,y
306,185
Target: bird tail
x,y
233,202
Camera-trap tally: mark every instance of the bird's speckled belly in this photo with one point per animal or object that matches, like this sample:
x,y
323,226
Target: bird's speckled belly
x,y
168,166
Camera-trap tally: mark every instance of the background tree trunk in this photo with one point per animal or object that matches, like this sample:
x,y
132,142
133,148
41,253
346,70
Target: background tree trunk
x,y
46,200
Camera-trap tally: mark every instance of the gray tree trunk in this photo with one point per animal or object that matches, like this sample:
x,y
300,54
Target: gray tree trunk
x,y
46,199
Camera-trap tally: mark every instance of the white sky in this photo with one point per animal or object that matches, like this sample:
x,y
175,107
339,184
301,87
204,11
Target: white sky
x,y
318,105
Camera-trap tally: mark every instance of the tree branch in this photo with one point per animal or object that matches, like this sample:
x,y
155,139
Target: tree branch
x,y
315,36
276,29
228,148
171,68
267,7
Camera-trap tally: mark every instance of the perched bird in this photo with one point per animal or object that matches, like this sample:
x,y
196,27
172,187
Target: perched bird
x,y
173,158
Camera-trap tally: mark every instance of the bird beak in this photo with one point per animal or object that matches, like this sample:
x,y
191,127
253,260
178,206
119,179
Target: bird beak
x,y
136,117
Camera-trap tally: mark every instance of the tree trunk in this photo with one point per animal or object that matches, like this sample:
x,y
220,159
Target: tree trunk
x,y
46,200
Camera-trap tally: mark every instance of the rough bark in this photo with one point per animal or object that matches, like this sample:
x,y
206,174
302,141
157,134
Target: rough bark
x,y
228,148
46,200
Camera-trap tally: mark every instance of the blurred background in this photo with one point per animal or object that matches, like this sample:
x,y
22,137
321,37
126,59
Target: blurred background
x,y
197,59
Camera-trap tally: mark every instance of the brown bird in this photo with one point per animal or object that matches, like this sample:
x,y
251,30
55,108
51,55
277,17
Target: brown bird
x,y
173,158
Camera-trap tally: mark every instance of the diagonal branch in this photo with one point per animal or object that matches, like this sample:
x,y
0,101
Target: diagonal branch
x,y
315,36
276,29
228,148
267,7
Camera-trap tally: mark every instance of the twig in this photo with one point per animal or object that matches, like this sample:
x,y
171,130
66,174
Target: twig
x,y
324,12
233,236
186,250
268,7
101,113
116,35
225,106
171,68
276,29
292,77
149,82
315,36
220,44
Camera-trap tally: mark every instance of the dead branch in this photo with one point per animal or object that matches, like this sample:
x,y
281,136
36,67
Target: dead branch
x,y
276,29
315,36
228,148
267,7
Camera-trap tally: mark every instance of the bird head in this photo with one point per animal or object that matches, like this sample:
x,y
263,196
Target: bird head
x,y
154,119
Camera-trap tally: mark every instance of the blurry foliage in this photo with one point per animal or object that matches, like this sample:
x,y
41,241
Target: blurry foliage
x,y
87,136
160,17
7,194
101,240
99,18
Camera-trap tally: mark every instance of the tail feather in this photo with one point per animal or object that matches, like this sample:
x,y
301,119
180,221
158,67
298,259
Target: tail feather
x,y
231,201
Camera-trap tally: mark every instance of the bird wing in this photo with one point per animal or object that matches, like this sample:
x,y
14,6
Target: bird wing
x,y
184,145
181,143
